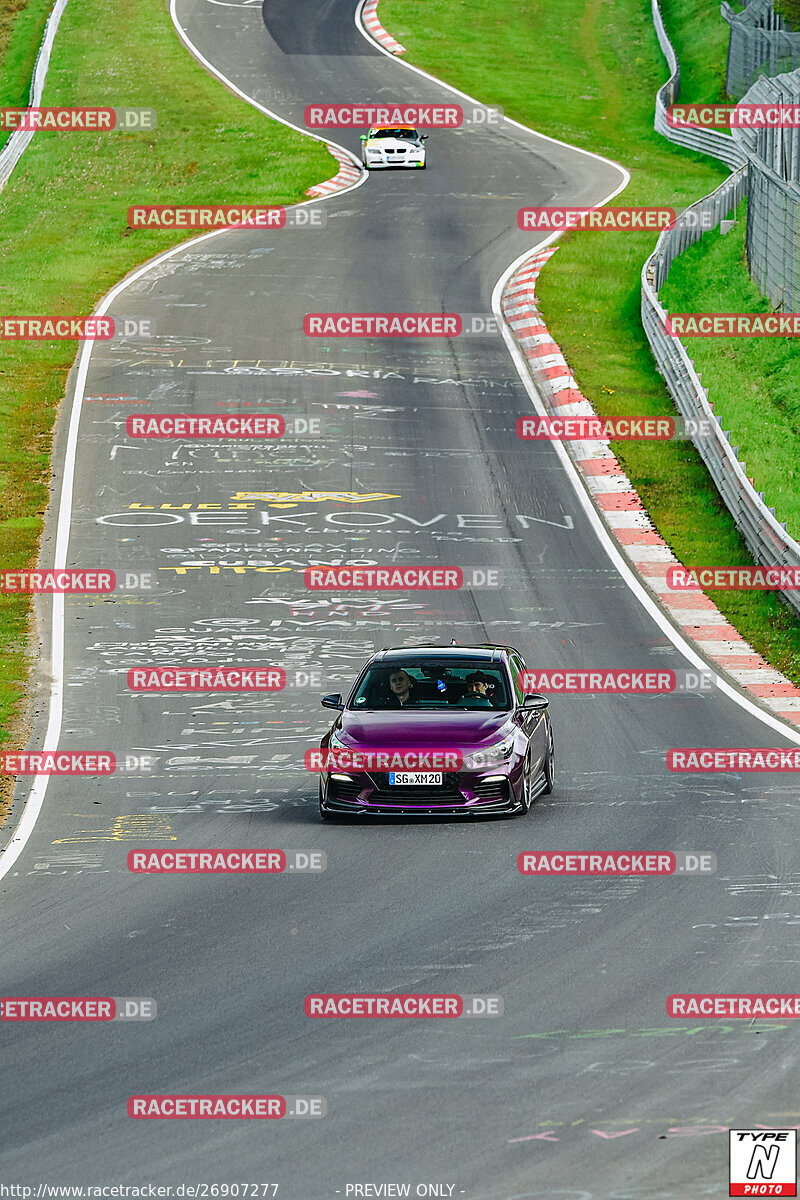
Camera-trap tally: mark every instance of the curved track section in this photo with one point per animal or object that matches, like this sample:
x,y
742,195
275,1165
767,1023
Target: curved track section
x,y
583,1089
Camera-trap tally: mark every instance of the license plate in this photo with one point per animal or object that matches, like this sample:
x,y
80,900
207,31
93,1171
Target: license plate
x,y
415,778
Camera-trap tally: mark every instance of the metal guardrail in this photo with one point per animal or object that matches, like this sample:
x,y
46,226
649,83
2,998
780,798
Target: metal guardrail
x,y
707,214
765,536
705,141
759,44
20,139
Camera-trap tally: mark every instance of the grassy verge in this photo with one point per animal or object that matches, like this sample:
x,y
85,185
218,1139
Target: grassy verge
x,y
700,37
587,72
754,383
64,240
22,24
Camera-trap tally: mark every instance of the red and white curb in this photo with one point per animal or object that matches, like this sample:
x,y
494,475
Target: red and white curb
x,y
626,517
347,175
369,17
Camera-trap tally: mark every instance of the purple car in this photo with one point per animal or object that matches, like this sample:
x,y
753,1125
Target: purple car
x,y
436,731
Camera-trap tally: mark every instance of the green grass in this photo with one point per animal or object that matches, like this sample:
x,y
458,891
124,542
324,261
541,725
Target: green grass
x,y
21,27
754,383
587,71
64,239
700,37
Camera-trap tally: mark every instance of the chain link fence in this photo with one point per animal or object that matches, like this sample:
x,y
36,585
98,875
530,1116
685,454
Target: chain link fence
x,y
760,44
773,207
773,238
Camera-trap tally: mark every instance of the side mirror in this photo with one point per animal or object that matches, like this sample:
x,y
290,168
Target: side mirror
x,y
364,137
334,700
534,702
423,137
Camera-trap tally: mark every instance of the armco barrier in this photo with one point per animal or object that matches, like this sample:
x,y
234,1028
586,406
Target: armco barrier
x,y
703,215
765,536
20,139
705,141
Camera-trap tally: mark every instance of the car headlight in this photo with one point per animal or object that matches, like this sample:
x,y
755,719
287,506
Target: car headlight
x,y
491,756
336,742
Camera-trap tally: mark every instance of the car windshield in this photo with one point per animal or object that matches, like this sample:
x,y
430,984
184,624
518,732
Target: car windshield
x,y
433,683
406,134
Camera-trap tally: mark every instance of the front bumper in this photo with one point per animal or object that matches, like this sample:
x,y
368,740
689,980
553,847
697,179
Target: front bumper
x,y
378,164
460,794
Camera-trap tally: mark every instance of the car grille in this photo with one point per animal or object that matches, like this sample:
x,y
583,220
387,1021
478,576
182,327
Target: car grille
x,y
442,804
424,796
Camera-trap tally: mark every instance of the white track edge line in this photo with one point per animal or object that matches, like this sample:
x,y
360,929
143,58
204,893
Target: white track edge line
x,y
481,104
212,70
35,799
625,570
36,795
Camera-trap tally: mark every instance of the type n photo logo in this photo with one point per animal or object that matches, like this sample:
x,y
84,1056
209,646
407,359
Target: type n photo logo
x,y
762,1162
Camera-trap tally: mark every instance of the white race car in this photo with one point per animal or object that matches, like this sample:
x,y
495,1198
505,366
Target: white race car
x,y
393,146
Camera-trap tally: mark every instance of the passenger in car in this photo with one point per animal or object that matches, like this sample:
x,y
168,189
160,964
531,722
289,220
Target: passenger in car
x,y
402,689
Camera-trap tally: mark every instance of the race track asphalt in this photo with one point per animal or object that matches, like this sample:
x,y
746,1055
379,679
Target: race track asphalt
x,y
584,1089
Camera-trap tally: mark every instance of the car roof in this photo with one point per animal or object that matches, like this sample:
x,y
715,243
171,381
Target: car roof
x,y
485,652
394,125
